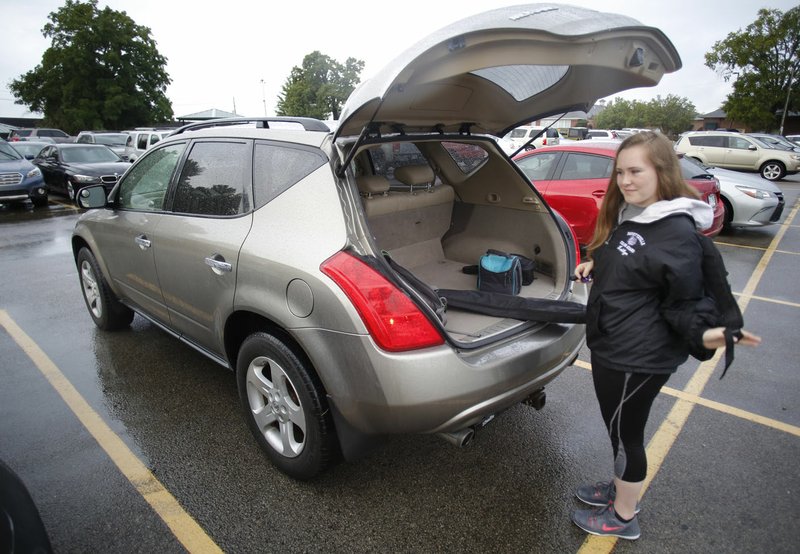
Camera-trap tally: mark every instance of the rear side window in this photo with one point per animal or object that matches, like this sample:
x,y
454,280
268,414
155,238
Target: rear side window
x,y
468,157
277,168
388,157
215,180
586,166
711,140
141,142
84,139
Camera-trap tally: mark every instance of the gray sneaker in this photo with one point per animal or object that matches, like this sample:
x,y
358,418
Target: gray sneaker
x,y
599,494
603,521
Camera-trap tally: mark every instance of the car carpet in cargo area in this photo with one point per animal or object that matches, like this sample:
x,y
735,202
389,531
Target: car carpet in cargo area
x,y
516,307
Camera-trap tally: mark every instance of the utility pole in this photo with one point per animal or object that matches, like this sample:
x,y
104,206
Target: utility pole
x,y
786,105
263,98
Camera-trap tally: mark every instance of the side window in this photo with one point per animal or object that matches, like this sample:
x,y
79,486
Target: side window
x,y
717,141
145,185
84,139
388,157
215,180
468,157
538,167
738,143
129,141
141,141
586,166
277,168
153,139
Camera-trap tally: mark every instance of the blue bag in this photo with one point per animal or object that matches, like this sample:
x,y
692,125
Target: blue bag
x,y
500,272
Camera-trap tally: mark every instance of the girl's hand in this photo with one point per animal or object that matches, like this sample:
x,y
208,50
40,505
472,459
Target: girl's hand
x,y
584,270
715,338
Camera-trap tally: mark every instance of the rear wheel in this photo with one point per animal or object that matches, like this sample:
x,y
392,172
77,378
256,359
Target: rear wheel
x,y
105,308
285,406
773,170
728,209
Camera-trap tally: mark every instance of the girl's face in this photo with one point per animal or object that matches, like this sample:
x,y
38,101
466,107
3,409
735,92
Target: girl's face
x,y
636,177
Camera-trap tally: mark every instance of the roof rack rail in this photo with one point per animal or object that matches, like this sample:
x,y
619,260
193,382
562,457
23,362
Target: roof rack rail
x,y
308,123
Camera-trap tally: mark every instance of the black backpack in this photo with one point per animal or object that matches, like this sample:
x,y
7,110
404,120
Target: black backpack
x,y
715,282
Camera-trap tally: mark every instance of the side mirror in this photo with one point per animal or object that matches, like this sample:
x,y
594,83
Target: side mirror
x,y
92,197
752,147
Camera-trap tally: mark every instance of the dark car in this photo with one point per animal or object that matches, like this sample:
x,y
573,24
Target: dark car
x,y
574,177
67,168
20,180
115,140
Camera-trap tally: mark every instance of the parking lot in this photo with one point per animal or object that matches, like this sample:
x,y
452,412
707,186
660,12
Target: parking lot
x,y
133,442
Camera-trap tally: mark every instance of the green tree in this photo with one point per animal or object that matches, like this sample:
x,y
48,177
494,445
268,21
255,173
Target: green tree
x,y
672,115
764,58
101,71
320,87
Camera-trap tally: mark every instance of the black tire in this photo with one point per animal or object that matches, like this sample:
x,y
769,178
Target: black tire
x,y
728,209
105,308
39,201
773,170
285,406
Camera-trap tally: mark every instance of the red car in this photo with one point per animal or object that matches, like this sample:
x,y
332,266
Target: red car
x,y
573,179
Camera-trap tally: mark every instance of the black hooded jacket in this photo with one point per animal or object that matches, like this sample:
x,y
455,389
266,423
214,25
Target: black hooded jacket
x,y
647,309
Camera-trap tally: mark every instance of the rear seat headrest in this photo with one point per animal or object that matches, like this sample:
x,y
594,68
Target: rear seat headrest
x,y
372,184
414,175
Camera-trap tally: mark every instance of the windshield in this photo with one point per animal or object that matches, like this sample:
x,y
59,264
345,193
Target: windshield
x,y
88,154
8,153
112,140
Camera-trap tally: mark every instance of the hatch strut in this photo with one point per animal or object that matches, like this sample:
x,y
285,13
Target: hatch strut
x,y
537,135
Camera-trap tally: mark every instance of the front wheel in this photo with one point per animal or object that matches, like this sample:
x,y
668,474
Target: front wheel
x,y
105,308
285,406
773,171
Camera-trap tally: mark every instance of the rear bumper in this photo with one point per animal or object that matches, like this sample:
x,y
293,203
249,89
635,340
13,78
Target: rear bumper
x,y
436,389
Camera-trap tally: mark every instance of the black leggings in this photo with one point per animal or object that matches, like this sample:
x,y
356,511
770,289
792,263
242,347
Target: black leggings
x,y
625,400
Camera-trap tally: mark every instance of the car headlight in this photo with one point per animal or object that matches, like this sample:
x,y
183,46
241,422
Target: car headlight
x,y
35,172
85,179
754,192
795,157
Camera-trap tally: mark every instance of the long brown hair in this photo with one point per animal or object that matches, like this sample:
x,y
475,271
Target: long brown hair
x,y
671,185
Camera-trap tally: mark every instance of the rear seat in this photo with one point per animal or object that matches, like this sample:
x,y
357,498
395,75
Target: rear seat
x,y
408,223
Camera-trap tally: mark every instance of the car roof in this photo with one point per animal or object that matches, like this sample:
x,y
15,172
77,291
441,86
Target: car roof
x,y
491,72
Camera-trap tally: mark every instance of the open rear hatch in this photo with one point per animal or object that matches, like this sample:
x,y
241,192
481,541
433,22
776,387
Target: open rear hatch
x,y
482,76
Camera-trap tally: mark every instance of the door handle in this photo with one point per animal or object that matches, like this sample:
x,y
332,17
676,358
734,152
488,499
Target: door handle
x,y
218,264
598,193
142,241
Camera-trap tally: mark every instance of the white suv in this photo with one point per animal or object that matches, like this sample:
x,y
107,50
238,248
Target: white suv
x,y
736,151
275,251
544,137
142,139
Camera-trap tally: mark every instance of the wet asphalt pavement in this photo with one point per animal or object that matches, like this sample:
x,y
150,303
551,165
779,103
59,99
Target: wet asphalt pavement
x,y
728,483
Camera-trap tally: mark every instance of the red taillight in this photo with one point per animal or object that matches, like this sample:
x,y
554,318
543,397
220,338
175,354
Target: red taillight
x,y
392,319
544,141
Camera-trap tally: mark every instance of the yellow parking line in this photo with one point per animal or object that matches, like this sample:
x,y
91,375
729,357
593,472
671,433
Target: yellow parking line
x,y
673,423
773,300
182,525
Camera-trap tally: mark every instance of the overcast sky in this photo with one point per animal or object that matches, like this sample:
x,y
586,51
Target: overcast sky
x,y
242,51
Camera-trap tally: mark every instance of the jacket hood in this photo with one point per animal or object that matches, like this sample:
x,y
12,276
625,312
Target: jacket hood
x,y
699,211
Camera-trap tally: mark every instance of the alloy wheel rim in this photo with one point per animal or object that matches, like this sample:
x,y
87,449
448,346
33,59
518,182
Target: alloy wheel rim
x,y
91,290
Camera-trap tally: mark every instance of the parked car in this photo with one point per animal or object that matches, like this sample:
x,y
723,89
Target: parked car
x,y
20,180
574,177
67,168
29,149
140,140
776,141
738,151
602,134
749,200
56,135
794,138
263,247
521,135
116,141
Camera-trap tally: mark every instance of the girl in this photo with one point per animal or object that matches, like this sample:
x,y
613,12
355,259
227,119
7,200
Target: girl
x,y
646,312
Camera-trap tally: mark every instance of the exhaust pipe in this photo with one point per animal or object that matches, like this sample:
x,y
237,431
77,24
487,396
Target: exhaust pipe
x,y
460,438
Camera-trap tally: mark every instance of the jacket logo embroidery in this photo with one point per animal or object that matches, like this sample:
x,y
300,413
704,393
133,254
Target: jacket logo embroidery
x,y
626,247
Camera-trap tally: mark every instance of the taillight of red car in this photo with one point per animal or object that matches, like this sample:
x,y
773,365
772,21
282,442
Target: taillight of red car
x,y
392,319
